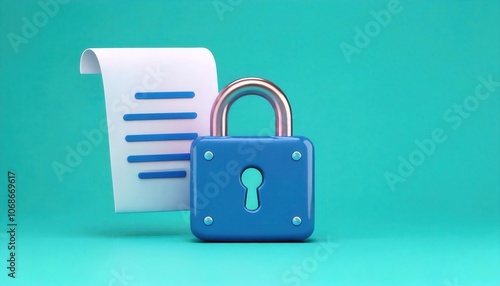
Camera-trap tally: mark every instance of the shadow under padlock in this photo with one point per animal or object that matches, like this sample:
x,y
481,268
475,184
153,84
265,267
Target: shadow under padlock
x,y
228,206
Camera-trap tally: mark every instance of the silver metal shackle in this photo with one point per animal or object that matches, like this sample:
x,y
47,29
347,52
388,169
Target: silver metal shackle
x,y
248,86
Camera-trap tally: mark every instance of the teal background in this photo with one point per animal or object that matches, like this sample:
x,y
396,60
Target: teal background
x,y
441,226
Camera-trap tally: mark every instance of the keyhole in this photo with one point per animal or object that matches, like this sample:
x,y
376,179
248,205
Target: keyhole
x,y
251,178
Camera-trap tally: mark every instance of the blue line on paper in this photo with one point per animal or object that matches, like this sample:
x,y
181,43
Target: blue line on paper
x,y
158,157
164,95
161,137
159,116
162,175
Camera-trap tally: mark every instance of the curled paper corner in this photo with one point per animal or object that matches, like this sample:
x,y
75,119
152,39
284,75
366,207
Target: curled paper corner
x,y
89,64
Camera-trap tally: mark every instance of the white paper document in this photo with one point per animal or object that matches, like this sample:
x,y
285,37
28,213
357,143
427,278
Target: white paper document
x,y
157,101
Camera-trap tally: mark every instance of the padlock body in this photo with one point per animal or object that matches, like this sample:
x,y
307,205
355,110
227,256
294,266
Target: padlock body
x,y
218,210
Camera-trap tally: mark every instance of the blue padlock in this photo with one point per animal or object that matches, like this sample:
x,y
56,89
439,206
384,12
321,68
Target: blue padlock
x,y
226,208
